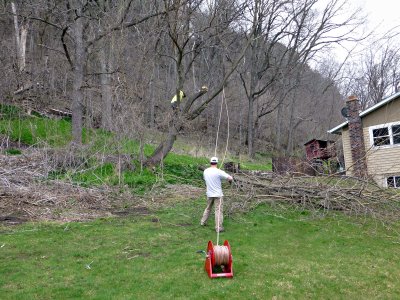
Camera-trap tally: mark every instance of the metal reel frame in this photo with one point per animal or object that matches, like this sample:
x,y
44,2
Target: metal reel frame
x,y
214,271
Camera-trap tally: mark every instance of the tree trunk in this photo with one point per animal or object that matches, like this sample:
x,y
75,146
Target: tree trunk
x,y
22,48
291,127
77,95
240,131
20,39
278,128
253,78
106,91
250,128
151,113
21,34
164,148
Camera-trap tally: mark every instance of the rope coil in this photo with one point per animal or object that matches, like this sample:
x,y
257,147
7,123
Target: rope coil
x,y
219,260
221,255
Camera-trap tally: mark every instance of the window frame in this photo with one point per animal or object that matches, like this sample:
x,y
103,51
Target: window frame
x,y
387,125
394,181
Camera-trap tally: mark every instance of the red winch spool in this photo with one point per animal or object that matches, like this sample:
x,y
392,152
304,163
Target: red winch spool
x,y
219,260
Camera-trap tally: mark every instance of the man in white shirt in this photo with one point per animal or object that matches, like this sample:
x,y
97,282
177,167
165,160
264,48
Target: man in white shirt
x,y
212,177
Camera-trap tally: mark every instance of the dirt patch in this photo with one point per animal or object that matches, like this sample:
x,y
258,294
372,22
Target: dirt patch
x,y
184,224
132,211
57,202
12,220
173,193
7,143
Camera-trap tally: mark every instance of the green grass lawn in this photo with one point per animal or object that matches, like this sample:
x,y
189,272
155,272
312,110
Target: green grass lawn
x,y
279,255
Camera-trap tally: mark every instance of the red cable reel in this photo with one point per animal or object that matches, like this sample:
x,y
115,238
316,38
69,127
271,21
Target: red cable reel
x,y
219,260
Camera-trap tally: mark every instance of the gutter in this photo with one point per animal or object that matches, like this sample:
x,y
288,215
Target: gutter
x,y
365,112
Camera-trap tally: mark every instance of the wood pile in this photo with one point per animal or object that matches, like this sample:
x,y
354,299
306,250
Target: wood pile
x,y
338,193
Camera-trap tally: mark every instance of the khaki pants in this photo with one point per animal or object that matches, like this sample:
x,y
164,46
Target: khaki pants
x,y
219,209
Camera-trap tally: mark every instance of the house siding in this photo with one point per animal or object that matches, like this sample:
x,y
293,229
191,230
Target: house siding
x,y
348,160
385,114
381,162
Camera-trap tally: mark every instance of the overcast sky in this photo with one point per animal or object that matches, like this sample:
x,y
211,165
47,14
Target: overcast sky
x,y
382,16
384,13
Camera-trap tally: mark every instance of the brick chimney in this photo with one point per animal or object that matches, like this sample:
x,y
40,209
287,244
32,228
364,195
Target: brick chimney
x,y
356,137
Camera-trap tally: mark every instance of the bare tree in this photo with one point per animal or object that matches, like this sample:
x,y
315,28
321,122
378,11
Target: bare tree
x,y
21,33
79,34
286,35
76,11
110,60
180,25
376,74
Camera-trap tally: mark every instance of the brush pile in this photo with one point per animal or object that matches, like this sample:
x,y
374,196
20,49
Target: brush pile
x,y
27,194
350,195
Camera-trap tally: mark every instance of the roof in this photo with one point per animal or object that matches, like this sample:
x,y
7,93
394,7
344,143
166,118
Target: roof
x,y
367,111
310,141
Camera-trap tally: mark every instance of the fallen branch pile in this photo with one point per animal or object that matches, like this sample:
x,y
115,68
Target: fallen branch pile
x,y
27,194
350,195
26,191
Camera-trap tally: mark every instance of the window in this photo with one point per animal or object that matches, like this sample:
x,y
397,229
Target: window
x,y
381,136
385,135
393,181
396,134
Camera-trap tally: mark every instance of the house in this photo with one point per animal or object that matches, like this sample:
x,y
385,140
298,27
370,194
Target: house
x,y
371,140
320,149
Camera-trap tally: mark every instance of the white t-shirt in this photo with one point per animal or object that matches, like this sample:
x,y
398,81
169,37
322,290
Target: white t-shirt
x,y
212,177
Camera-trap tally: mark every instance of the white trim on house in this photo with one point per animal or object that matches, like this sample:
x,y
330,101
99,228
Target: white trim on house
x,y
333,130
379,104
366,112
389,126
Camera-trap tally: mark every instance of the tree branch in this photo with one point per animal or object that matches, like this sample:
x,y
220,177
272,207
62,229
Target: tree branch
x,y
195,113
65,46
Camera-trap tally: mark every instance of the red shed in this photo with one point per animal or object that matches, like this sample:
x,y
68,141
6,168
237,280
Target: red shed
x,y
320,149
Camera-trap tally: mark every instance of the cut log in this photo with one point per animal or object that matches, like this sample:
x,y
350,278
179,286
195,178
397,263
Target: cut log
x,y
58,112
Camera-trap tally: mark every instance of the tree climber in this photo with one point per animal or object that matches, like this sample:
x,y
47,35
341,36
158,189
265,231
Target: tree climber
x,y
175,99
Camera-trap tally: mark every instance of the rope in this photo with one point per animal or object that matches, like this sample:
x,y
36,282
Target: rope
x,y
226,150
221,255
227,136
219,124
219,214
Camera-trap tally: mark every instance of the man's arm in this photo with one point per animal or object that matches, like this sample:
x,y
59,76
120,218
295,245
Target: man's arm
x,y
226,176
